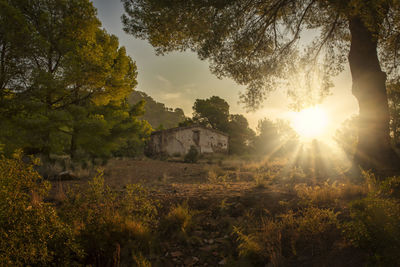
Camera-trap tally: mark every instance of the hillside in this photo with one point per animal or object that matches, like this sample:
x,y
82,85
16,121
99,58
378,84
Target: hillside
x,y
156,113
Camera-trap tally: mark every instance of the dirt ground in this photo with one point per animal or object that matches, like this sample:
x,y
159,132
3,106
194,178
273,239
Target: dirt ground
x,y
221,195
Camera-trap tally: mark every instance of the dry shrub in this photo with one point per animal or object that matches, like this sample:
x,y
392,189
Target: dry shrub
x,y
111,226
216,175
329,194
178,222
291,236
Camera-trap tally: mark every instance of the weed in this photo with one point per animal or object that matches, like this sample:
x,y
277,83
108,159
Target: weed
x,y
216,175
292,235
178,220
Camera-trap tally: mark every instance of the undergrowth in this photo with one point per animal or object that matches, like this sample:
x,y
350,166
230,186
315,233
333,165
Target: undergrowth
x,y
95,225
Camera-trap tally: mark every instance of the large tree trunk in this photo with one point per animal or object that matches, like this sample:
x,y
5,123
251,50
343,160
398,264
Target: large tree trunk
x,y
374,150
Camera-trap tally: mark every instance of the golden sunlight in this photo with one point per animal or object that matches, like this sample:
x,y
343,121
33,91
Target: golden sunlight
x,y
310,123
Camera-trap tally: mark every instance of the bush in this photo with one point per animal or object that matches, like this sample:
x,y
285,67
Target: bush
x,y
192,156
111,227
290,236
178,221
375,222
31,233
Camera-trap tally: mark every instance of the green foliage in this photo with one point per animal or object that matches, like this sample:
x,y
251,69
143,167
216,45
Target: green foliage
x,y
192,156
240,134
65,81
31,233
254,52
212,112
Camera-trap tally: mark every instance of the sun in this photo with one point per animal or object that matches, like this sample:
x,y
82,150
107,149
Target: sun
x,y
310,123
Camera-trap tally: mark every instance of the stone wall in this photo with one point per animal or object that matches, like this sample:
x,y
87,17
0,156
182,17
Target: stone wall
x,y
179,140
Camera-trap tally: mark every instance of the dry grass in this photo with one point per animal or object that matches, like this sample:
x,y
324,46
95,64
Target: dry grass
x,y
329,194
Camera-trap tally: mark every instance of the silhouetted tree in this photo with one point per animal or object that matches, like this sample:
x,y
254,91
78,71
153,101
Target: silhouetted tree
x,y
240,134
346,136
213,112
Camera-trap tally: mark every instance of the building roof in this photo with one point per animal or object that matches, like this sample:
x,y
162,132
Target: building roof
x,y
188,127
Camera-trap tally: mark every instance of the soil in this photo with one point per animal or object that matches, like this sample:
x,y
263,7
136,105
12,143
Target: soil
x,y
232,199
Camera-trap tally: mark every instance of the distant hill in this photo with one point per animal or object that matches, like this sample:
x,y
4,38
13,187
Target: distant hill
x,y
157,114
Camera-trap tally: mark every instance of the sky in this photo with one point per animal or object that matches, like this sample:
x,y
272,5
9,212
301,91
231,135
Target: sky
x,y
179,78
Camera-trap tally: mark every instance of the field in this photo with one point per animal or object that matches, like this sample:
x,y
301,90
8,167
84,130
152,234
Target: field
x,y
217,213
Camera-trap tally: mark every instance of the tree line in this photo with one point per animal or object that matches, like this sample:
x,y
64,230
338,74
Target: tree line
x,y
270,138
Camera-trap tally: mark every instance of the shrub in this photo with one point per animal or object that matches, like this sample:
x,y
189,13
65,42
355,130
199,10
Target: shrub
x,y
31,233
178,221
192,156
329,194
111,227
290,236
375,222
390,187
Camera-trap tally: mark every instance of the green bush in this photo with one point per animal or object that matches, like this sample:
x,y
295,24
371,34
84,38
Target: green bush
x,y
192,156
31,233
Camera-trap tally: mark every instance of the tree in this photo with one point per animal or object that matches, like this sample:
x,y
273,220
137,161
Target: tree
x,y
240,135
63,80
275,138
346,136
268,139
256,43
213,112
156,113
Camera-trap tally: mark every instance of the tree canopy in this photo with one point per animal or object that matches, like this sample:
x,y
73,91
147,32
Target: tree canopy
x,y
213,112
257,43
63,80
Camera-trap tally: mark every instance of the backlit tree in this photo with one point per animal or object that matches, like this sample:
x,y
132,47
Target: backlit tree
x,y
256,43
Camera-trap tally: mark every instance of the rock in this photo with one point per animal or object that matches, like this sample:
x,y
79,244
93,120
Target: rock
x,y
222,262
